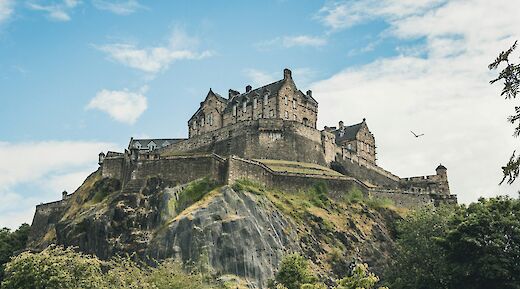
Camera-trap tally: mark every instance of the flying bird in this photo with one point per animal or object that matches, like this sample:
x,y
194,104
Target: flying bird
x,y
417,135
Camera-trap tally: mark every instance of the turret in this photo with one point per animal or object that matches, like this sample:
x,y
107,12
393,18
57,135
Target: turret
x,y
101,158
442,172
64,195
287,73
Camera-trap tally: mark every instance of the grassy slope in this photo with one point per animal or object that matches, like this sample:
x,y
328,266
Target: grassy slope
x,y
298,168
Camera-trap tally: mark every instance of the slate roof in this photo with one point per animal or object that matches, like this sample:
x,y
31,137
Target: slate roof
x,y
348,133
159,142
270,88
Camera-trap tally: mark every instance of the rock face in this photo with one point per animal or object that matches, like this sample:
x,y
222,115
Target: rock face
x,y
238,230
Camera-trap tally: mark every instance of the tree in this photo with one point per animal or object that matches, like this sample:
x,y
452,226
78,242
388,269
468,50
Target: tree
x,y
510,77
360,278
483,246
54,267
294,272
419,261
11,243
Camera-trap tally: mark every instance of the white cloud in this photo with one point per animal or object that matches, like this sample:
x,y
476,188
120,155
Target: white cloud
x,y
293,41
51,166
118,7
6,10
154,59
56,11
122,105
443,91
259,77
344,14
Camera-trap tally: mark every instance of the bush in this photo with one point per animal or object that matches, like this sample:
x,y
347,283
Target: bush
x,y
360,278
294,272
10,243
354,196
54,267
319,194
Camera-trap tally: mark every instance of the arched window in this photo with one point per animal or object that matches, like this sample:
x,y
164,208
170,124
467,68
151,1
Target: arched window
x,y
266,99
244,106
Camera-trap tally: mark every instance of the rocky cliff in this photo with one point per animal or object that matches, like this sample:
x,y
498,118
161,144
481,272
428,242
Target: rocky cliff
x,y
242,229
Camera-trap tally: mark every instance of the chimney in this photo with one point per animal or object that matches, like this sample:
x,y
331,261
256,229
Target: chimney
x,y
248,88
287,74
340,124
309,93
64,195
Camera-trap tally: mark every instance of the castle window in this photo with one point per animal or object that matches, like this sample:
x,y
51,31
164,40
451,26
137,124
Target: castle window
x,y
244,106
272,113
210,118
295,117
294,104
286,100
286,114
234,110
202,121
255,103
349,146
266,99
259,115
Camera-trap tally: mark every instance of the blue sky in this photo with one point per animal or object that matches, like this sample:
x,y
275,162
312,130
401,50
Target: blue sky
x,y
80,77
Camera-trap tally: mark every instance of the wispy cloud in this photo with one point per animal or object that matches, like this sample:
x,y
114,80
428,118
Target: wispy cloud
x,y
344,14
302,76
293,41
51,166
56,11
122,105
118,7
6,10
154,59
442,91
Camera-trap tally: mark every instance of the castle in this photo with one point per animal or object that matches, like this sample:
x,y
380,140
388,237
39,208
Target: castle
x,y
269,134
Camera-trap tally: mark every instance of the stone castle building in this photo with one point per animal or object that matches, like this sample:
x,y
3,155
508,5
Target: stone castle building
x,y
269,135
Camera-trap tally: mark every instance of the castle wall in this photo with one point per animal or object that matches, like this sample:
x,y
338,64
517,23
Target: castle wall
x,y
45,217
352,165
255,171
182,169
263,138
406,200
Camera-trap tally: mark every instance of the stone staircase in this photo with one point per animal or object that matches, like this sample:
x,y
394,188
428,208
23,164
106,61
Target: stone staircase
x,y
134,186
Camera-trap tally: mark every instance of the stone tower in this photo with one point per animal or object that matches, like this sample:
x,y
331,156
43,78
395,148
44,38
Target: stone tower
x,y
442,175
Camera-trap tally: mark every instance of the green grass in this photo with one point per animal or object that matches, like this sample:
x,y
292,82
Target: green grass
x,y
298,168
355,196
249,186
193,193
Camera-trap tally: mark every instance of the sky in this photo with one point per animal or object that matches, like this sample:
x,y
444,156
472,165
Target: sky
x,y
78,77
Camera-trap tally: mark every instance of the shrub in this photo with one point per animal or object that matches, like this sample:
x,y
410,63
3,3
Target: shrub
x,y
319,194
360,278
354,196
294,272
54,267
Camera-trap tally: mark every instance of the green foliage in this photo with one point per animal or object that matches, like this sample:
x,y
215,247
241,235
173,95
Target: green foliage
x,y
360,278
103,188
294,272
248,186
483,245
54,267
376,203
354,196
10,243
318,195
510,77
473,247
193,193
419,261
